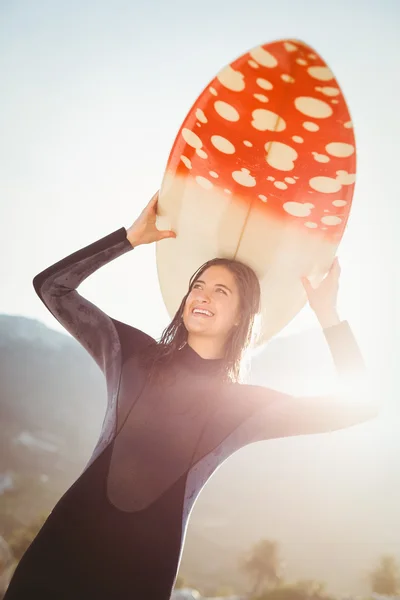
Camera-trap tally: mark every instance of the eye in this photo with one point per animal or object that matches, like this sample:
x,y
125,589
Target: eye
x,y
222,290
196,285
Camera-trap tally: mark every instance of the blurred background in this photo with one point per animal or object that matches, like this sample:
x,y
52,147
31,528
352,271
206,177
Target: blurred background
x,y
92,95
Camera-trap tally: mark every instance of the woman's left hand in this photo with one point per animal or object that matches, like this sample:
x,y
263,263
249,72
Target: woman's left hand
x,y
323,299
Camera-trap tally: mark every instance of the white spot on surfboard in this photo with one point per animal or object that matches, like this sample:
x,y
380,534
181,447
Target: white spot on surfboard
x,y
287,78
289,47
201,153
328,91
266,120
231,79
280,156
297,139
191,138
297,209
331,220
339,149
321,158
263,57
313,107
201,116
261,97
204,183
186,161
222,144
310,126
226,111
243,177
264,83
280,185
326,185
320,73
345,178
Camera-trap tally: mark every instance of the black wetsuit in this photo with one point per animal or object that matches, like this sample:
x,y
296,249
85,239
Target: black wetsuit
x,y
117,533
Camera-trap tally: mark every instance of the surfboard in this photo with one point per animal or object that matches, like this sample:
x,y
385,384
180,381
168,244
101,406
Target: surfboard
x,y
262,171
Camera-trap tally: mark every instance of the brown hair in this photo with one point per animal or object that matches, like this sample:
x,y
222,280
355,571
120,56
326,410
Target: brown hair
x,y
160,356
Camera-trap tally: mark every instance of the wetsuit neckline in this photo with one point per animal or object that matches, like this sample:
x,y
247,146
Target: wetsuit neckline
x,y
191,359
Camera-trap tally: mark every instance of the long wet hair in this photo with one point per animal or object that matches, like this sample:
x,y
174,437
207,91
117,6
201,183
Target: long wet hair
x,y
161,355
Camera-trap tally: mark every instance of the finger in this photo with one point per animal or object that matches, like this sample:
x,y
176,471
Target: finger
x,y
154,198
307,284
335,265
335,270
166,234
332,267
153,203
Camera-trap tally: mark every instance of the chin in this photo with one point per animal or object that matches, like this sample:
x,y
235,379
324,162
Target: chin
x,y
194,326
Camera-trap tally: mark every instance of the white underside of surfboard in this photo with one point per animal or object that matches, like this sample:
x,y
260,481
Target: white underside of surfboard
x,y
211,223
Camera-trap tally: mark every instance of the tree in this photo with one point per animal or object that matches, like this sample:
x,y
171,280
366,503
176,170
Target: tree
x,y
263,565
300,590
311,587
385,579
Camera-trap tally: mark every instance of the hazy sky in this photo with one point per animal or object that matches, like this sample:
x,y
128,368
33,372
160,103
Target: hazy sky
x,y
92,96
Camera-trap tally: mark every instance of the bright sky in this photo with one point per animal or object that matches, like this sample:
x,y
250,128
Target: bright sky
x,y
92,96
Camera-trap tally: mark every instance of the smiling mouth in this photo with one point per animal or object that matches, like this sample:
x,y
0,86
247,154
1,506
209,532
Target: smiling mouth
x,y
202,312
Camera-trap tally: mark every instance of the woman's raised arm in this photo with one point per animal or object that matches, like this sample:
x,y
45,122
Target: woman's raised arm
x,y
57,286
354,402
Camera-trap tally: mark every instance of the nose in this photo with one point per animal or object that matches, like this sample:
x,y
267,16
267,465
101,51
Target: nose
x,y
204,298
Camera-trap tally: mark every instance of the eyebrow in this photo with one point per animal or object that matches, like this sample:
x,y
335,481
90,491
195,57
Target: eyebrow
x,y
216,285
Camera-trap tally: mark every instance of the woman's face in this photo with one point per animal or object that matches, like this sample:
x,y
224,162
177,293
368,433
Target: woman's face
x,y
212,307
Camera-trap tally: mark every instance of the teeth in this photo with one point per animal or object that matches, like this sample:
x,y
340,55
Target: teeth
x,y
202,312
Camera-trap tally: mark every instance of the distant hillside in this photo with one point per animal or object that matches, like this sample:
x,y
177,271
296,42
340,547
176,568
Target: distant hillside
x,y
330,500
52,399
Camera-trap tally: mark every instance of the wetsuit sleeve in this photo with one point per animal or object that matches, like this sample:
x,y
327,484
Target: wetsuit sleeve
x,y
57,287
352,403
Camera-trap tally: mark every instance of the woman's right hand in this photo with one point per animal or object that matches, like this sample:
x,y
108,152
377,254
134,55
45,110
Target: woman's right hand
x,y
144,230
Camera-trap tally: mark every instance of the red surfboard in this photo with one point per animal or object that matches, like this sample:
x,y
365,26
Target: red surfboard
x,y
262,171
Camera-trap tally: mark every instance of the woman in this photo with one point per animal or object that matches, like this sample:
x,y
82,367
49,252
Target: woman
x,y
175,412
